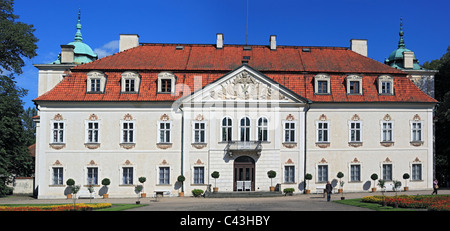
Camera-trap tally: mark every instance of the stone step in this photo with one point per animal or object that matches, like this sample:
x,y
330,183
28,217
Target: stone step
x,y
243,194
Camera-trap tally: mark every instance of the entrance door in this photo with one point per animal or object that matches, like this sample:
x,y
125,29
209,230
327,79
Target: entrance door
x,y
244,174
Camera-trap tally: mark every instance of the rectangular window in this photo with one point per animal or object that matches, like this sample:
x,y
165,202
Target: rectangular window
x,y
289,131
127,175
289,174
127,132
164,132
416,131
354,87
227,128
322,132
130,85
199,175
416,172
58,132
57,176
262,129
387,171
166,85
164,174
95,85
355,131
92,176
92,132
199,132
322,173
386,87
322,86
355,172
387,132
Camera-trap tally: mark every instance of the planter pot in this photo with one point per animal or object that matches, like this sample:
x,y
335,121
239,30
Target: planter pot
x,y
288,194
340,190
342,198
181,194
69,196
215,189
406,188
138,202
106,195
307,191
374,189
143,195
272,188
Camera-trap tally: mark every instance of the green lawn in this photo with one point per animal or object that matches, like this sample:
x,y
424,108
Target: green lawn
x,y
374,206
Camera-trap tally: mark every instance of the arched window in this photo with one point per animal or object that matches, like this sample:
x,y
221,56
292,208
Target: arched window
x,y
227,129
263,129
245,129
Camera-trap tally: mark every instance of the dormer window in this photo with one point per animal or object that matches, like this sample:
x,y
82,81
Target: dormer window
x,y
354,85
130,82
386,85
166,82
95,82
322,84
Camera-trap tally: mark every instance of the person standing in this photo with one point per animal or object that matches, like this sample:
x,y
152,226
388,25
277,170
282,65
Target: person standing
x,y
435,186
328,190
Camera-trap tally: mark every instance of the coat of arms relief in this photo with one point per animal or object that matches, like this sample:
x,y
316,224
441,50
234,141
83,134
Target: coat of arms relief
x,y
244,86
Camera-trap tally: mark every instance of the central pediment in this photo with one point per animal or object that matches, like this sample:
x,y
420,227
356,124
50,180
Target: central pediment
x,y
244,85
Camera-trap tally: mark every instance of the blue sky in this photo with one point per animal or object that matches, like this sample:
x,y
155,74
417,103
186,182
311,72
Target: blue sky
x,y
426,25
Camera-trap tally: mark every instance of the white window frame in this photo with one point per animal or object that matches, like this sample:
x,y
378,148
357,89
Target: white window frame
x,y
322,77
87,175
165,130
386,131
261,128
122,130
228,127
413,130
319,178
88,130
58,131
384,175
321,129
164,178
125,179
198,130
350,131
60,177
413,174
351,172
247,129
129,75
382,80
289,129
288,174
201,176
92,76
354,78
166,76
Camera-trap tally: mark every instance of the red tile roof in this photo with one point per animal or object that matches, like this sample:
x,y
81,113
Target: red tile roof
x,y
290,66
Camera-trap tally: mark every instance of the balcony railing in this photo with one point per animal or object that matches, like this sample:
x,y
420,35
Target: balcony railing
x,y
243,146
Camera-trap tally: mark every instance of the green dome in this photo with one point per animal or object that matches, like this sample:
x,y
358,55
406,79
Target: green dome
x,y
82,52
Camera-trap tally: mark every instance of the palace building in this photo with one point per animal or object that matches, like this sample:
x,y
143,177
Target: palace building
x,y
164,110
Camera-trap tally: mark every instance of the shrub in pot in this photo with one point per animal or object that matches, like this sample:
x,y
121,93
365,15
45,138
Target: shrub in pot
x,y
308,177
271,174
288,191
215,175
181,179
70,184
142,179
341,183
374,177
197,192
138,190
105,183
406,177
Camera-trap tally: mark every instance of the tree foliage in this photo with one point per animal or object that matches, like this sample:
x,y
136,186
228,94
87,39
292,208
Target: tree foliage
x,y
17,40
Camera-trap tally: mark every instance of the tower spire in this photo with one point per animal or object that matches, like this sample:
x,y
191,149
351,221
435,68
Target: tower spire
x,y
78,36
401,42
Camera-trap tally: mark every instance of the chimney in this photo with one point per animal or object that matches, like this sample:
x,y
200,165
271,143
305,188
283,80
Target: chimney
x,y
67,53
408,57
219,44
359,46
128,41
273,42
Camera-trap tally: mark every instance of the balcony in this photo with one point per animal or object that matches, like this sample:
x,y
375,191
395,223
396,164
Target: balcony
x,y
243,146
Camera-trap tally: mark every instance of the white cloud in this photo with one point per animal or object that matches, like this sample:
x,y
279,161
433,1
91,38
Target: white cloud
x,y
107,49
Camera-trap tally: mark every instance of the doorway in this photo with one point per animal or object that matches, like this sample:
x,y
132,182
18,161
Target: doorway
x,y
244,174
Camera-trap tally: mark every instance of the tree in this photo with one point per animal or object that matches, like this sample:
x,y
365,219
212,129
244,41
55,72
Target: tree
x,y
29,125
442,114
17,40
